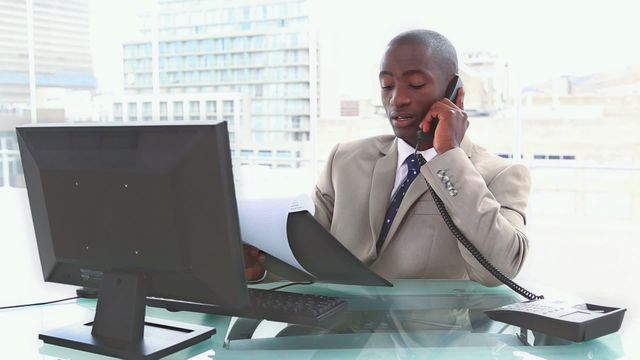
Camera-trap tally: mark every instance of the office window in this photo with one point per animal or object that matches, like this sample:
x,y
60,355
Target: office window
x,y
227,106
258,136
194,107
206,45
258,106
192,61
300,136
296,121
178,110
177,107
260,123
146,108
163,108
210,106
133,111
278,122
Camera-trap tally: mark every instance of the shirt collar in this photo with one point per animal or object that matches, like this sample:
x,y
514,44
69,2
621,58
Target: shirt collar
x,y
405,150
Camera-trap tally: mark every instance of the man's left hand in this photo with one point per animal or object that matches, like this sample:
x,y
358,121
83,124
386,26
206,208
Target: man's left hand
x,y
253,263
451,123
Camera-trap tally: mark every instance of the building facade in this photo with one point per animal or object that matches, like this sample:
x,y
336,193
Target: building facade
x,y
50,36
46,64
263,50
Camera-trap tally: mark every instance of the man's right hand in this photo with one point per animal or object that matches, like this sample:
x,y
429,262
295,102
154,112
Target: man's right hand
x,y
253,260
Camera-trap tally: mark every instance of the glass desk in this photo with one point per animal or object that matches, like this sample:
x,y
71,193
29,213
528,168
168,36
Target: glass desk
x,y
415,319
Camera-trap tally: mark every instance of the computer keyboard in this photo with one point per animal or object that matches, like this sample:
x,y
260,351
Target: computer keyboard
x,y
282,306
293,307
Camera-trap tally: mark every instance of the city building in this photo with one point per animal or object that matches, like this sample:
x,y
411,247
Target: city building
x,y
263,50
45,61
176,107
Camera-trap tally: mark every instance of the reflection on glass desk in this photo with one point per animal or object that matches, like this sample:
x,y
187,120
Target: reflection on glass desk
x,y
413,319
414,315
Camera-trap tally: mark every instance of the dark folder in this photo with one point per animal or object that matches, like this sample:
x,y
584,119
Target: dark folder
x,y
322,255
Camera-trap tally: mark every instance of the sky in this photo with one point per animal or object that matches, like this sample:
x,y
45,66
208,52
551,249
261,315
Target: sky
x,y
539,39
111,23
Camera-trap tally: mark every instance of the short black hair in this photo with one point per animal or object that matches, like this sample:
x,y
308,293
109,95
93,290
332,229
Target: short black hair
x,y
438,46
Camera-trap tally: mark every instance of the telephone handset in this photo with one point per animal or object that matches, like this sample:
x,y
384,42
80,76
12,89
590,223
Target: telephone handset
x,y
450,93
576,323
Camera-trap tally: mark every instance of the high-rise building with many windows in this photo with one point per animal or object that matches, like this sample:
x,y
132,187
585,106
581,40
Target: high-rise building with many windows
x,y
56,32
263,50
45,62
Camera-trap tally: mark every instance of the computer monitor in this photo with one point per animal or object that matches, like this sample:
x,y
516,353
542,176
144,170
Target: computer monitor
x,y
135,210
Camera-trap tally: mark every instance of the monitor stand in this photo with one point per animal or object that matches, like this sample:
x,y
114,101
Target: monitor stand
x,y
119,328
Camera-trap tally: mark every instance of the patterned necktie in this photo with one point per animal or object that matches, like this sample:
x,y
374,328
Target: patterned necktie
x,y
414,162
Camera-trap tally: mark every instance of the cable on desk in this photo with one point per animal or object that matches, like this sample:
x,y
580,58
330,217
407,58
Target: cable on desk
x,y
290,284
36,304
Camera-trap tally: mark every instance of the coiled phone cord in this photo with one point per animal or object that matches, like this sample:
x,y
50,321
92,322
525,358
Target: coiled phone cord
x,y
476,253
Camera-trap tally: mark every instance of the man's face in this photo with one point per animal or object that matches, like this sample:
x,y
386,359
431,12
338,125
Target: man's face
x,y
410,83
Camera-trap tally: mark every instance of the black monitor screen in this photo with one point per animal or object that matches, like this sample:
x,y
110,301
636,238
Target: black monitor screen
x,y
152,199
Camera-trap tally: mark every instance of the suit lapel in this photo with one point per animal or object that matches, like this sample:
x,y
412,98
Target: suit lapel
x,y
417,188
381,186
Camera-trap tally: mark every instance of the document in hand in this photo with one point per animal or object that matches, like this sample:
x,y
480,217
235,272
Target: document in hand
x,y
299,247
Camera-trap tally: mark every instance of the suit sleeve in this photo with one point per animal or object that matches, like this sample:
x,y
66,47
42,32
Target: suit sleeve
x,y
491,215
324,194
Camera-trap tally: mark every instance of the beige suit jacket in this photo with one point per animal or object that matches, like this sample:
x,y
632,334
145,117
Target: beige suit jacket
x,y
488,206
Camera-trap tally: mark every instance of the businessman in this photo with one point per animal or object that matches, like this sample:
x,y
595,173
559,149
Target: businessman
x,y
373,194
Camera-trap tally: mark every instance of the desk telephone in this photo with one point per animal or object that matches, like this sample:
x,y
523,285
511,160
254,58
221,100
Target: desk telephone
x,y
575,322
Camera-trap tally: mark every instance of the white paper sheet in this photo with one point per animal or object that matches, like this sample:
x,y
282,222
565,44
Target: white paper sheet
x,y
263,224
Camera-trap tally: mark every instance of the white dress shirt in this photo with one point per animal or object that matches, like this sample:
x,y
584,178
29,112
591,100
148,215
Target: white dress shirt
x,y
404,150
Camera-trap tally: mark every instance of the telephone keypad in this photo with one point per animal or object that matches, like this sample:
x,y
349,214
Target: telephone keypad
x,y
534,308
